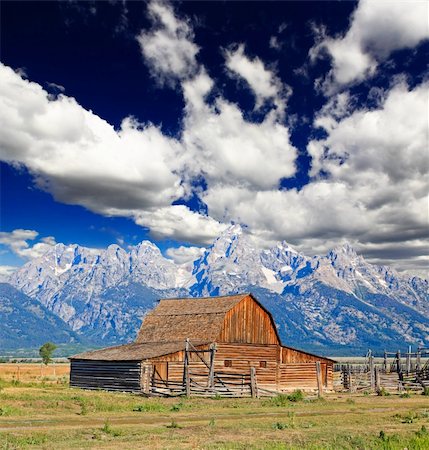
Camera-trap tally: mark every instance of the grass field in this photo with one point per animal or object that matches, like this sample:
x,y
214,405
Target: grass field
x,y
34,372
48,414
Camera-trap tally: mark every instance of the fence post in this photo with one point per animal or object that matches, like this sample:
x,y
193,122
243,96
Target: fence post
x,y
398,362
418,364
146,374
349,373
385,362
409,360
187,380
319,379
371,372
377,379
253,382
210,383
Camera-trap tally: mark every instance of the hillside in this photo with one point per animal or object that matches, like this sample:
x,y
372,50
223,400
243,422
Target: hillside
x,y
27,323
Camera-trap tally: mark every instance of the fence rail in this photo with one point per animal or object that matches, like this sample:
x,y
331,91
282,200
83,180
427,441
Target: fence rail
x,y
392,374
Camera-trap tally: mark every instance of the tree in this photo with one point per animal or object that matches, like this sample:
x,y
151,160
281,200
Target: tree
x,y
45,351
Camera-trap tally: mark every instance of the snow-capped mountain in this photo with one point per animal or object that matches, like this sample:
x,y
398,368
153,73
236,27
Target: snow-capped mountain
x,y
333,300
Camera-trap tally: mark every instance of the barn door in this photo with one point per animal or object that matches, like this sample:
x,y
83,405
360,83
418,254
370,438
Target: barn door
x,y
324,370
160,371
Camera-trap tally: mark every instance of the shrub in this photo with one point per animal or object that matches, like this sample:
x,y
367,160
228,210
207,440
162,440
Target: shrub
x,y
422,432
283,426
382,392
280,426
296,396
107,429
285,399
425,391
177,407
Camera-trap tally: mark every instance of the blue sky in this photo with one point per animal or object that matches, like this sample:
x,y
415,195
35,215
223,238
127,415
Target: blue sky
x,y
304,121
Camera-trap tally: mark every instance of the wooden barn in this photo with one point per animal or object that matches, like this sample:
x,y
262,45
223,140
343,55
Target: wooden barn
x,y
218,345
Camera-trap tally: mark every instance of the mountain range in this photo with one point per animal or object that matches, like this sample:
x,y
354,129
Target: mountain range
x,y
335,304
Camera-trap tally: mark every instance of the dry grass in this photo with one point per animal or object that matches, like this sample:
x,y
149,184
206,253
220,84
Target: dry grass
x,y
55,416
28,373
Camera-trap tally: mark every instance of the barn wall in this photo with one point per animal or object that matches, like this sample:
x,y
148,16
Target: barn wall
x,y
282,377
247,322
289,355
274,376
108,375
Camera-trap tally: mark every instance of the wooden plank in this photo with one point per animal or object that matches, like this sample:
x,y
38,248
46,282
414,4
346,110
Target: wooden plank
x,y
319,379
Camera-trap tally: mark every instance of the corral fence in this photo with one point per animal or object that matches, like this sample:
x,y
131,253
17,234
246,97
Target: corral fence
x,y
199,377
393,372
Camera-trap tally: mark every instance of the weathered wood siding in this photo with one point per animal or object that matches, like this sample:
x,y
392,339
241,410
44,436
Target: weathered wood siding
x,y
248,322
108,375
290,355
270,372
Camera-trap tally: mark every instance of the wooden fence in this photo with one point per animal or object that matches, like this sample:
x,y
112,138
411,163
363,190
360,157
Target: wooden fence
x,y
201,375
394,374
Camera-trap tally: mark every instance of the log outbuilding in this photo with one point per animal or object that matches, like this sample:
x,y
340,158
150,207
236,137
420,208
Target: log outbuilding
x,y
204,346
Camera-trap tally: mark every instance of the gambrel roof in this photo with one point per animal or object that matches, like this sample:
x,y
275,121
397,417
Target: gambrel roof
x,y
199,319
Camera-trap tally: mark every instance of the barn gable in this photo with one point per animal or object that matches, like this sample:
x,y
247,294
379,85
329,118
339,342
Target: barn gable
x,y
248,322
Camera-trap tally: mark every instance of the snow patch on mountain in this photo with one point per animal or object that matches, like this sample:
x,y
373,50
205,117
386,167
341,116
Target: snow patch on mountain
x,y
336,298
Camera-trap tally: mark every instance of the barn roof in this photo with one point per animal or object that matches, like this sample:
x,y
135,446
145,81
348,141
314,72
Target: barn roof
x,y
165,329
135,351
199,319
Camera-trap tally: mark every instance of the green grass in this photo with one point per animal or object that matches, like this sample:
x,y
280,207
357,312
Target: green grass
x,y
55,416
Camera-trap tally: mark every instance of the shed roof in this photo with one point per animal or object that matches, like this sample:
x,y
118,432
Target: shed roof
x,y
199,319
135,351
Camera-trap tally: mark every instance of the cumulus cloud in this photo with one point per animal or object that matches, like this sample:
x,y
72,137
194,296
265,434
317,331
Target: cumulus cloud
x,y
369,174
17,239
6,272
78,156
264,84
180,222
369,183
226,148
390,141
183,255
377,28
168,48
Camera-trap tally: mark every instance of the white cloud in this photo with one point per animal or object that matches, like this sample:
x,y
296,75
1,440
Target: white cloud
x,y
263,83
183,255
180,222
168,49
17,239
369,174
390,141
6,272
225,148
78,156
370,183
377,29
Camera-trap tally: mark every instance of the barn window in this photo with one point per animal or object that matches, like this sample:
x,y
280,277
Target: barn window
x,y
228,363
263,364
